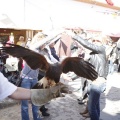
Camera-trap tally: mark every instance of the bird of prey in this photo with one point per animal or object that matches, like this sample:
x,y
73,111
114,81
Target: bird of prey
x,y
35,60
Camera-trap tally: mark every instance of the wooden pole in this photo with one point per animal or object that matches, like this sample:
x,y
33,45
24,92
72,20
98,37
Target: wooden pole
x,y
95,2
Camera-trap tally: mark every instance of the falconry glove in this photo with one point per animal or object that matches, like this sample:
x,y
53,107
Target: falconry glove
x,y
42,96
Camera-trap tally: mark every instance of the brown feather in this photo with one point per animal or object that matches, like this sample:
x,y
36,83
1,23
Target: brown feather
x,y
80,67
33,59
53,71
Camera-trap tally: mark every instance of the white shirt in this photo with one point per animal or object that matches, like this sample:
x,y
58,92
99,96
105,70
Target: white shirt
x,y
6,88
11,64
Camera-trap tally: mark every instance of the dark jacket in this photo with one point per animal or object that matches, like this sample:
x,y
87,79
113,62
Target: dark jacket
x,y
53,52
97,56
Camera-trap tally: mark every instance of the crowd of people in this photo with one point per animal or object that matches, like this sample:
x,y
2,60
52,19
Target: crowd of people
x,y
100,50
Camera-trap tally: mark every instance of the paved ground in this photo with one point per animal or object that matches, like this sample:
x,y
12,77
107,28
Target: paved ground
x,y
67,108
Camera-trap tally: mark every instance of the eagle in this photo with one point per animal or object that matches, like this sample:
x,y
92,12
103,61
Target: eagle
x,y
53,72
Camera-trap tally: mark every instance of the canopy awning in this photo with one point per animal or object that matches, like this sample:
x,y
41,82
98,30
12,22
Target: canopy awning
x,y
52,14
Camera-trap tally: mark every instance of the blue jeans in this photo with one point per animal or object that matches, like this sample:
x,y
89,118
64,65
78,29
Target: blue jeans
x,y
29,83
94,100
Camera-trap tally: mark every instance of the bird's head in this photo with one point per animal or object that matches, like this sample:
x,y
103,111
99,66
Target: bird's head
x,y
44,83
54,72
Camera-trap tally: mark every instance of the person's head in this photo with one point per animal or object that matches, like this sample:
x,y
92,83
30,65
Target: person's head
x,y
38,38
99,40
21,38
114,36
83,35
52,44
76,31
114,39
11,38
42,47
29,39
11,34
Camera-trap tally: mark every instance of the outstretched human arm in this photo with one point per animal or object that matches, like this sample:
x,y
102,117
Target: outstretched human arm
x,y
37,96
88,45
21,94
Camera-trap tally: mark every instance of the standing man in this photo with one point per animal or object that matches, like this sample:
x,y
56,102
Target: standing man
x,y
98,59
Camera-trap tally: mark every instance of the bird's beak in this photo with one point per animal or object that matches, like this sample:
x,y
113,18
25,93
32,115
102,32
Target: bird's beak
x,y
51,83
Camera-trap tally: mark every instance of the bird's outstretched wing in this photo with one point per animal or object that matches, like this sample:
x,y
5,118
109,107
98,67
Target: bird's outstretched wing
x,y
32,58
80,67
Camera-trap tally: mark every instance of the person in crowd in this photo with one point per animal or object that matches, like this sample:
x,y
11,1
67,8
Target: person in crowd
x,y
112,55
98,59
112,58
29,79
118,54
74,48
21,41
27,45
52,52
43,51
78,51
11,39
3,56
